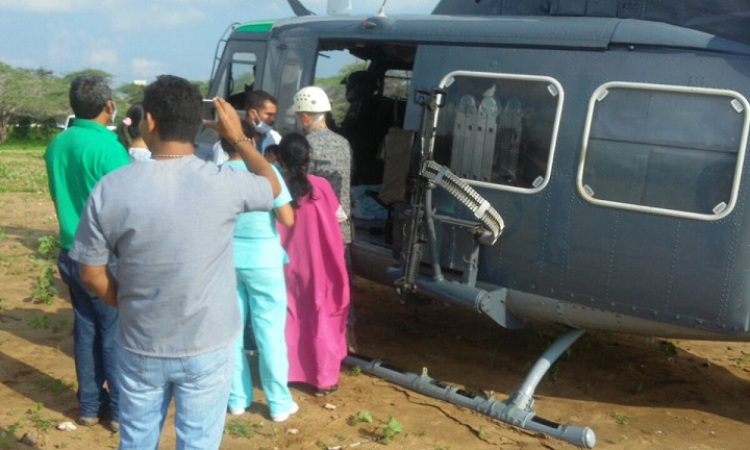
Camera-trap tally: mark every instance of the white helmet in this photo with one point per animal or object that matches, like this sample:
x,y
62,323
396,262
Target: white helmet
x,y
311,99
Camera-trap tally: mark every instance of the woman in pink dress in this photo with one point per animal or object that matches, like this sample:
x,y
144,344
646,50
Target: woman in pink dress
x,y
316,280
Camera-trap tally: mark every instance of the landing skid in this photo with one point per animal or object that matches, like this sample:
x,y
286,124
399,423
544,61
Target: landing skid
x,y
515,410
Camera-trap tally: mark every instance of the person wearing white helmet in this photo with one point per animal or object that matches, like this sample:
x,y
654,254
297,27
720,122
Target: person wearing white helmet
x,y
331,159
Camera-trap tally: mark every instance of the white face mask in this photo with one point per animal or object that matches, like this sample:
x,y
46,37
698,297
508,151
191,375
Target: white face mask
x,y
262,127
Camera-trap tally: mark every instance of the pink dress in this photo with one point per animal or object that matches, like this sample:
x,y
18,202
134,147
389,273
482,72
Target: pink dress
x,y
317,288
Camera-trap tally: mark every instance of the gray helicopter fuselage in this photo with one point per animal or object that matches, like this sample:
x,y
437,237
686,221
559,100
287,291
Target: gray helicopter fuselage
x,y
621,182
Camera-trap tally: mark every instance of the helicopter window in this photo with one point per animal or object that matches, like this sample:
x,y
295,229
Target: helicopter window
x,y
290,83
664,149
396,84
499,130
238,78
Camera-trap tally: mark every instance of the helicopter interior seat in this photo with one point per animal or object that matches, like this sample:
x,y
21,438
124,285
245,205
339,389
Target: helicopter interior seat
x,y
397,146
366,128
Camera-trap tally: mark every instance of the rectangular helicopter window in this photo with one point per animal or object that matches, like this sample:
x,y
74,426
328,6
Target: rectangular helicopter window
x,y
238,79
396,84
499,130
668,150
289,83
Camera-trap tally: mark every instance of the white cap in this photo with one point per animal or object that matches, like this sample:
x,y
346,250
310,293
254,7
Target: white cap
x,y
311,99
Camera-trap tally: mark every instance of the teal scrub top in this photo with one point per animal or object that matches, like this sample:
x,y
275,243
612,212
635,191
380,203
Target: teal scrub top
x,y
256,240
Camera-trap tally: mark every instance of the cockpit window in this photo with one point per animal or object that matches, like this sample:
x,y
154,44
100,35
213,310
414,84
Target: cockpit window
x,y
237,77
499,130
664,149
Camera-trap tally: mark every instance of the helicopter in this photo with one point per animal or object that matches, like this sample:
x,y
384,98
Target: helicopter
x,y
563,161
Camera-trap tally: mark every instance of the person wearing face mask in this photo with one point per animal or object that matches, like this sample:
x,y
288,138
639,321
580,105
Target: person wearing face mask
x,y
260,112
332,160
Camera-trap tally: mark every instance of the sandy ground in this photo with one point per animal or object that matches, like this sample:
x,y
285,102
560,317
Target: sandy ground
x,y
635,394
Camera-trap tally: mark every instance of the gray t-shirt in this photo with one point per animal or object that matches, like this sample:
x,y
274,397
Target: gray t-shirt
x,y
170,224
332,160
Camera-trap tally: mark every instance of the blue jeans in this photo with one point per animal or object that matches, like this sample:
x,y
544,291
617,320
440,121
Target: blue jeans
x,y
94,329
200,385
262,295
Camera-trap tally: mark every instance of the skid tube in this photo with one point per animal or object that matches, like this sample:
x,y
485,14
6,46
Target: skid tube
x,y
515,410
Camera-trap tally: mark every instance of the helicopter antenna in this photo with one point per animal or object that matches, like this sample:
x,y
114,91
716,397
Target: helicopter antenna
x,y
381,11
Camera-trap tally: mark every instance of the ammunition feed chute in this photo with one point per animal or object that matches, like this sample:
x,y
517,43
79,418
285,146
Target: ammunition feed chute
x,y
441,176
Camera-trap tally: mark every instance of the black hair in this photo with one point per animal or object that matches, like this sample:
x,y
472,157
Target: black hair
x,y
89,95
257,99
127,133
247,129
272,149
175,105
294,155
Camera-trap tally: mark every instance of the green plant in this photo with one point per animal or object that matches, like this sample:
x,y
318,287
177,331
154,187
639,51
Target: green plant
x,y
480,432
58,386
620,418
7,441
44,287
669,348
362,416
321,444
39,322
3,233
354,371
60,325
48,246
390,430
238,427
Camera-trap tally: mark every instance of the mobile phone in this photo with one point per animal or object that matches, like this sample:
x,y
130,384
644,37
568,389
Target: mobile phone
x,y
209,110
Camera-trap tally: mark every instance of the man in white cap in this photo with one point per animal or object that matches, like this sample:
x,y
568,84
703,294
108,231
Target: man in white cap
x,y
331,159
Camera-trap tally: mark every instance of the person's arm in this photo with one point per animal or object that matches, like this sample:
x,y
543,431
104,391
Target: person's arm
x,y
229,127
100,282
285,214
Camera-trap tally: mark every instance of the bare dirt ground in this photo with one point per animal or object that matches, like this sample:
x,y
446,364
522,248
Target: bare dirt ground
x,y
634,394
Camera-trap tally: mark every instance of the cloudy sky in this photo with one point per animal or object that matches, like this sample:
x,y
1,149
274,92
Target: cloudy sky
x,y
139,39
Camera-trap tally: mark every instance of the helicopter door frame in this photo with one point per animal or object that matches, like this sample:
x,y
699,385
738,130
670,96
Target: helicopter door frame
x,y
290,66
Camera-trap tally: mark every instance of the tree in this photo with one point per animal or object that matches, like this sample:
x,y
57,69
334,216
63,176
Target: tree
x,y
128,94
68,77
30,96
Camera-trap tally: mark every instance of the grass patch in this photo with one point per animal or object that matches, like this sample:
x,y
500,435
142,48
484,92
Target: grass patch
x,y
621,419
23,171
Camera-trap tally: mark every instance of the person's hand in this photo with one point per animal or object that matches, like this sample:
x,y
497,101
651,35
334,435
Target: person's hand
x,y
228,122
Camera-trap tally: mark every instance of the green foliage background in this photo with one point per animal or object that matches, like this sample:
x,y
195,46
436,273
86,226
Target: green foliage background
x,y
34,101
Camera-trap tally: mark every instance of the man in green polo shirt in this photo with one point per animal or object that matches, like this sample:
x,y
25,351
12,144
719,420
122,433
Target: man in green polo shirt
x,y
76,159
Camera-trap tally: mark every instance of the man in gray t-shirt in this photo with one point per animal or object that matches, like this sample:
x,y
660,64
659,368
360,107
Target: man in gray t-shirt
x,y
169,222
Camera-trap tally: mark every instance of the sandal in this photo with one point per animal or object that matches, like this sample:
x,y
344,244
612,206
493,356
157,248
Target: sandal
x,y
322,392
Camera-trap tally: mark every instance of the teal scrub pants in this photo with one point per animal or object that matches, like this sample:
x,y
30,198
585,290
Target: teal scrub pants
x,y
262,297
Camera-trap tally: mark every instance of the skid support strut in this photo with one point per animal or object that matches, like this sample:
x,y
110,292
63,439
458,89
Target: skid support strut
x,y
516,410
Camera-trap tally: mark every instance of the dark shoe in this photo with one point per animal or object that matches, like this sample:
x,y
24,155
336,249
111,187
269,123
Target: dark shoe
x,y
88,421
322,392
